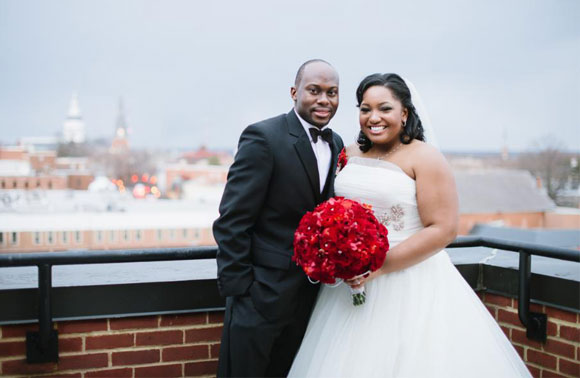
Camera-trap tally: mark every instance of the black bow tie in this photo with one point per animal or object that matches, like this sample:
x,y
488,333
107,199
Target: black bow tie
x,y
325,134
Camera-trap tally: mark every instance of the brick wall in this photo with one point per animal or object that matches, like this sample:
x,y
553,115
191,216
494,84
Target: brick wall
x,y
188,345
155,346
559,356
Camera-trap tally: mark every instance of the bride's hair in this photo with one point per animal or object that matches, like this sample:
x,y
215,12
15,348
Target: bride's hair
x,y
413,128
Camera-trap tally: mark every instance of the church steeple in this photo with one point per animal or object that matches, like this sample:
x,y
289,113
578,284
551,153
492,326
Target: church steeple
x,y
121,126
73,128
120,142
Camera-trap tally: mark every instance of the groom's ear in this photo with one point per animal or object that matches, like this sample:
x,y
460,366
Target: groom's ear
x,y
293,93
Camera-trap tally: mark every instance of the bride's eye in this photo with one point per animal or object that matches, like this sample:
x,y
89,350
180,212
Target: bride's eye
x,y
364,110
386,109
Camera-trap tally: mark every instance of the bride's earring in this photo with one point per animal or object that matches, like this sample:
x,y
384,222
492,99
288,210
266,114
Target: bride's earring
x,y
404,124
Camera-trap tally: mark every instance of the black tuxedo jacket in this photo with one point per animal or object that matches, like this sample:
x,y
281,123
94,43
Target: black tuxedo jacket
x,y
272,183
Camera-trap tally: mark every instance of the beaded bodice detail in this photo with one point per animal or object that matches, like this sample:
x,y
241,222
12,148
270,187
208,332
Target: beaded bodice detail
x,y
387,188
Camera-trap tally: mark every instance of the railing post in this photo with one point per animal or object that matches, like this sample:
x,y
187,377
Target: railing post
x,y
42,346
535,323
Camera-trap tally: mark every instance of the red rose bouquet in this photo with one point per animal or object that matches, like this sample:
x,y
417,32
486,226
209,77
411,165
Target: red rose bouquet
x,y
340,239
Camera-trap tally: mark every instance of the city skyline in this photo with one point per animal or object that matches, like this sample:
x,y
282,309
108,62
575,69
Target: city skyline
x,y
490,74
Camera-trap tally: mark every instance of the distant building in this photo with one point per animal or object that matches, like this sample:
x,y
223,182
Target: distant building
x,y
563,218
37,144
209,156
102,231
29,169
502,196
202,173
99,220
33,182
73,128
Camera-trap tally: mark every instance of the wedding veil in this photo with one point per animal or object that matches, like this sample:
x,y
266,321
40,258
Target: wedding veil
x,y
428,130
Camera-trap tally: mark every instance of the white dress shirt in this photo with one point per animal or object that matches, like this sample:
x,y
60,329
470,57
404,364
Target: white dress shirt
x,y
321,150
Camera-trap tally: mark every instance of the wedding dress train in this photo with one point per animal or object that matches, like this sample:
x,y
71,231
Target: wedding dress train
x,y
423,321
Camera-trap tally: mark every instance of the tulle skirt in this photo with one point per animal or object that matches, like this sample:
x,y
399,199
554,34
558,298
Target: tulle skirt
x,y
424,321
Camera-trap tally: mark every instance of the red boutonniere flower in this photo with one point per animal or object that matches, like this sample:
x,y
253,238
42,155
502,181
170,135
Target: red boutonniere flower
x,y
342,160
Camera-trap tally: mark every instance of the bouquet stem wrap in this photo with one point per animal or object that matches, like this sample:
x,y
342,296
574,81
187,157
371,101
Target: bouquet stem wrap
x,y
359,296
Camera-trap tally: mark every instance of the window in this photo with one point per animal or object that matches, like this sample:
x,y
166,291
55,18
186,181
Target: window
x,y
14,238
64,237
126,235
138,235
37,238
196,234
1,238
159,234
112,236
78,237
172,234
184,233
99,236
50,237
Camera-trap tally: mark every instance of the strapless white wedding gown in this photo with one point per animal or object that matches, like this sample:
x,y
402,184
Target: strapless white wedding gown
x,y
423,321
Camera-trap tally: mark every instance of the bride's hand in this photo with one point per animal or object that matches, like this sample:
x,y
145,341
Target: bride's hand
x,y
359,281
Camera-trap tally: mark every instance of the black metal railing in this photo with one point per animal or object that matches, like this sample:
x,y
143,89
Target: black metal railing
x,y
42,346
534,322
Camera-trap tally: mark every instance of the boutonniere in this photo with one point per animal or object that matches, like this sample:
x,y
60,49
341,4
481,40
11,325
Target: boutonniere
x,y
342,160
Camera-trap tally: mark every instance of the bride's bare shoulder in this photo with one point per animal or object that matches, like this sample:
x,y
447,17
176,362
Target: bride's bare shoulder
x,y
424,150
426,156
353,150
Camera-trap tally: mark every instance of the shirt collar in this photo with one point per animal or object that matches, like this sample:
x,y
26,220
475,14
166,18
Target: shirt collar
x,y
307,125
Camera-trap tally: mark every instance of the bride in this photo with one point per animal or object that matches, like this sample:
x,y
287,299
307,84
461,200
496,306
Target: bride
x,y
420,319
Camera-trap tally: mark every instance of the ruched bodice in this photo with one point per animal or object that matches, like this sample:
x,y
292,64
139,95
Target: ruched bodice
x,y
388,189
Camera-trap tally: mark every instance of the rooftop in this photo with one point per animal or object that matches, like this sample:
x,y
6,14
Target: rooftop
x,y
499,191
85,210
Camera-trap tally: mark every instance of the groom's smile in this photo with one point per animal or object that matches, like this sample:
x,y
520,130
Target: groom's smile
x,y
322,113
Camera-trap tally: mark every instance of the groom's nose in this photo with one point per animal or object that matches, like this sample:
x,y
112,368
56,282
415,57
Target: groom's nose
x,y
322,98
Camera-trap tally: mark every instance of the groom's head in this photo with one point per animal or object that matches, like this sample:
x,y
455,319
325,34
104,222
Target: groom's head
x,y
315,92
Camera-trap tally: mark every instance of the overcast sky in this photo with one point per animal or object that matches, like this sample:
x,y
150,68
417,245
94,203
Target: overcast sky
x,y
193,73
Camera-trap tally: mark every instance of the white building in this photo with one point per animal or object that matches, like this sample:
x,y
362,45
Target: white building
x,y
73,129
60,220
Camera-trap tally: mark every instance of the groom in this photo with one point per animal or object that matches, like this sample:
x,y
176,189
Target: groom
x,y
283,168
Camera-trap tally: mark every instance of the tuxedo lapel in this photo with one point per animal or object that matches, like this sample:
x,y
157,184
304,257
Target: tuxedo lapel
x,y
303,148
329,186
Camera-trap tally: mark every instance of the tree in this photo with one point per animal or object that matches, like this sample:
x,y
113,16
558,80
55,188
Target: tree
x,y
73,150
213,160
549,162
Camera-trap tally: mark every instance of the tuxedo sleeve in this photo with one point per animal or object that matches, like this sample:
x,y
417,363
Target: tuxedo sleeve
x,y
242,201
